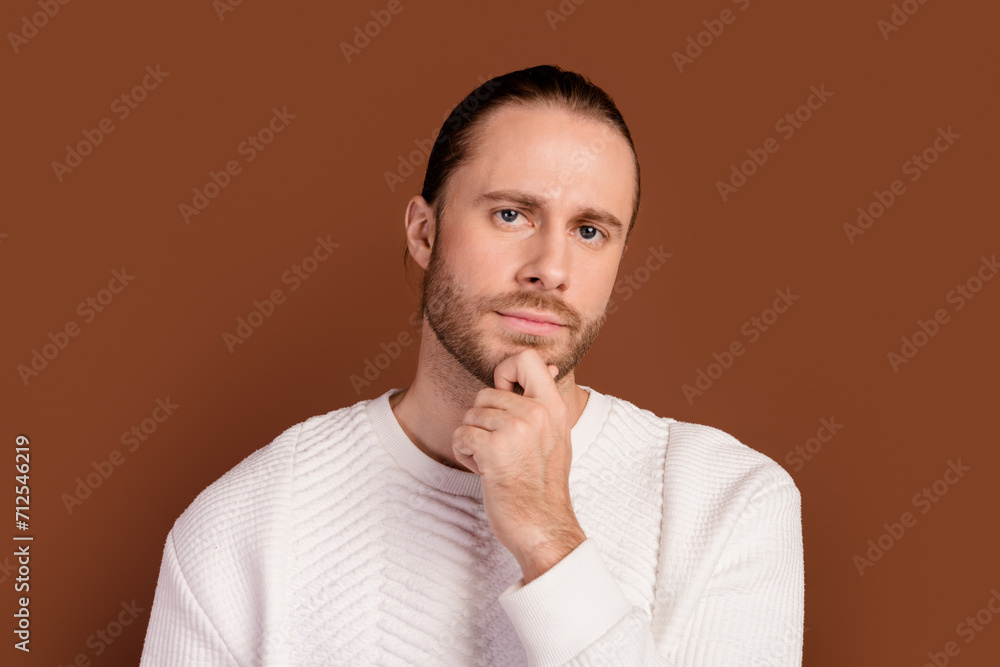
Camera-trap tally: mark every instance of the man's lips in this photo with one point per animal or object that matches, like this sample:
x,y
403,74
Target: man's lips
x,y
531,323
531,316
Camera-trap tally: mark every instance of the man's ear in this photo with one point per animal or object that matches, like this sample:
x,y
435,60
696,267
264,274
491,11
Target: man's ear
x,y
420,226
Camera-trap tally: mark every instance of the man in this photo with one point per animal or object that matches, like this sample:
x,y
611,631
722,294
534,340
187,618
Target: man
x,y
495,512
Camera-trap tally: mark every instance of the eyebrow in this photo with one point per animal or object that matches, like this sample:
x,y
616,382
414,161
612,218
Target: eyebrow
x,y
532,202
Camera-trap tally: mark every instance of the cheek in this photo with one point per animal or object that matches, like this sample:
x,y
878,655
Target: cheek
x,y
599,287
483,269
475,277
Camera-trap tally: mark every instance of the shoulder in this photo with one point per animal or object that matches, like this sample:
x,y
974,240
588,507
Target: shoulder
x,y
714,456
252,500
698,457
714,483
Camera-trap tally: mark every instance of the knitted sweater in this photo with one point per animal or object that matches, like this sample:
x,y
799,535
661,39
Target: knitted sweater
x,y
342,543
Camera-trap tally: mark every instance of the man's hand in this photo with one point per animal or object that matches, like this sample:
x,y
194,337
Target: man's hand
x,y
520,447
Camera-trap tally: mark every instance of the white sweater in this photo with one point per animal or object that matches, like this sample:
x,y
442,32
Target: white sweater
x,y
341,543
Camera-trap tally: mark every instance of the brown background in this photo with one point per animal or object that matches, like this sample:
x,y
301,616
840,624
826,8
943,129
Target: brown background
x,y
162,336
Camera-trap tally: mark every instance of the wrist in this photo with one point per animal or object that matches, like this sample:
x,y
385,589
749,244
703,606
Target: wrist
x,y
548,552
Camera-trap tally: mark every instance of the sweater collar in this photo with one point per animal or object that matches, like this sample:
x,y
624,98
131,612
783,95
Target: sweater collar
x,y
462,482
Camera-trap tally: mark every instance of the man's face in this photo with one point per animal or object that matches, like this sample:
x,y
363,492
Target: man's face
x,y
530,227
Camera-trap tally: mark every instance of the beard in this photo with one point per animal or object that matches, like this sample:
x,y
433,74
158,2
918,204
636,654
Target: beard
x,y
455,316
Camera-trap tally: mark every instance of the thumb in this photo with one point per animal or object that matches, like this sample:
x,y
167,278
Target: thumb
x,y
553,370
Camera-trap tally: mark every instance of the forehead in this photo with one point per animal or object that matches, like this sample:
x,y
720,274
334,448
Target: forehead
x,y
556,155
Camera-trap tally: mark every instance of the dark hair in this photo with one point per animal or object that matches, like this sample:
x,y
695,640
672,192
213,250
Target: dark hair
x,y
545,85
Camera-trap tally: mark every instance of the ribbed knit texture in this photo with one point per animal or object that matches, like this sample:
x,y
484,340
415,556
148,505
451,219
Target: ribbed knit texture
x,y
341,543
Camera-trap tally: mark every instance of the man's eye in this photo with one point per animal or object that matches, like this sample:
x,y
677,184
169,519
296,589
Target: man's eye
x,y
508,214
590,232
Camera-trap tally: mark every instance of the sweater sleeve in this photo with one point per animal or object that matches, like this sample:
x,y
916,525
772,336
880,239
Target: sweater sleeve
x,y
180,633
750,610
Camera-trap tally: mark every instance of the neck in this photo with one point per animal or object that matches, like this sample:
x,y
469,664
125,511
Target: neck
x,y
432,407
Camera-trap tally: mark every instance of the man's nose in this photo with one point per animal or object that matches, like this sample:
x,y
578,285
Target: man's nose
x,y
548,258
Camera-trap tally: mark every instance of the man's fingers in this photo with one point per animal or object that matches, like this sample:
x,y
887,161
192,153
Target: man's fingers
x,y
528,370
486,418
465,444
